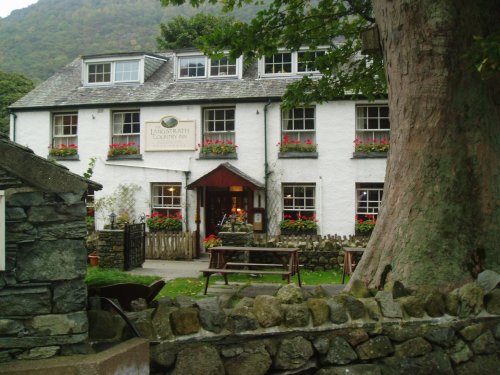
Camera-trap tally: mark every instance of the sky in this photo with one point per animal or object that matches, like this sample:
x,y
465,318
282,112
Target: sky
x,y
7,6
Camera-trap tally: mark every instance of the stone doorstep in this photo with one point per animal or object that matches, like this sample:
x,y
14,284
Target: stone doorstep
x,y
122,358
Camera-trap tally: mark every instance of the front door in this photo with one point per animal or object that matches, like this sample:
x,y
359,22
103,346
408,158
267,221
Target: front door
x,y
221,202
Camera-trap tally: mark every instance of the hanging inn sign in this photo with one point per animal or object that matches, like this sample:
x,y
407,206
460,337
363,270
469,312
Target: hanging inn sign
x,y
170,134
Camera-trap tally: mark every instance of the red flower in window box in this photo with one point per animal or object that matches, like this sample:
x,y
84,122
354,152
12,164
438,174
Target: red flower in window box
x,y
289,145
371,145
63,150
217,147
130,148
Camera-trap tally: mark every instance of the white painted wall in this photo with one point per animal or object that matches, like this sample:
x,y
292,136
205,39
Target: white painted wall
x,y
335,173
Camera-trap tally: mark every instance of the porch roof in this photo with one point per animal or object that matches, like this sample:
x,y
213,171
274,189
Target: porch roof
x,y
226,175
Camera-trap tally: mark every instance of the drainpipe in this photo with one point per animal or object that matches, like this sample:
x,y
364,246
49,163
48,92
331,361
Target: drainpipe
x,y
186,177
266,166
14,117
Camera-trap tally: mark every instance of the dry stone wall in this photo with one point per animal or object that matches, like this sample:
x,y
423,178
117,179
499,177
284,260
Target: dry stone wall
x,y
42,292
395,331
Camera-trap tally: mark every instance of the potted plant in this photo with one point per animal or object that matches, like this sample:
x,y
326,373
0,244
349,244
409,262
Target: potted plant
x,y
157,222
300,225
93,259
211,241
217,148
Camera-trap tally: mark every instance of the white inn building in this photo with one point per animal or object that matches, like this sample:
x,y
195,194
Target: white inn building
x,y
164,108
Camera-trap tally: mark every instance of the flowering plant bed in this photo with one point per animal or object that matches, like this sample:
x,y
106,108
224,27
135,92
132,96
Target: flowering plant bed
x,y
365,226
158,222
371,145
118,149
211,241
289,145
218,147
301,225
63,150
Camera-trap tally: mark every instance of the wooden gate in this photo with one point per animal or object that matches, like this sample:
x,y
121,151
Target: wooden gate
x,y
178,246
135,246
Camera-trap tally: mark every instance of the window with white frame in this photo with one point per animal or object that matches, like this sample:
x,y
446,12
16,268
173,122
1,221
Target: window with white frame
x,y
299,124
120,71
64,129
306,61
99,73
2,230
223,67
126,127
289,63
127,71
368,200
372,123
192,66
299,200
278,63
166,198
219,124
199,66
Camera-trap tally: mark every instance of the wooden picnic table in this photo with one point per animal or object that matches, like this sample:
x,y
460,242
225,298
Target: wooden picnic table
x,y
222,262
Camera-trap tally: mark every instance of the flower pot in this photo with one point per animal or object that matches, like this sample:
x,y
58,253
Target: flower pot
x,y
93,260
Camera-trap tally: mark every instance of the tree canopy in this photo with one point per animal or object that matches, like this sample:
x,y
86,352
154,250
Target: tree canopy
x,y
183,32
13,86
293,24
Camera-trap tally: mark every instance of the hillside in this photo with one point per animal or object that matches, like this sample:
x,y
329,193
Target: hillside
x,y
39,40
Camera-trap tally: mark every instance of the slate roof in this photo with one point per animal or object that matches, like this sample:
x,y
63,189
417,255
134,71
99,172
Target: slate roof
x,y
65,89
23,163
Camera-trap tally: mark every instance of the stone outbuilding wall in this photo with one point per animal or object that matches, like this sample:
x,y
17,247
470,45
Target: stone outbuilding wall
x,y
42,289
394,331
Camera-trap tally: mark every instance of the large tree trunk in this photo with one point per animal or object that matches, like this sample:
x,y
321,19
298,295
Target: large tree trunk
x,y
440,218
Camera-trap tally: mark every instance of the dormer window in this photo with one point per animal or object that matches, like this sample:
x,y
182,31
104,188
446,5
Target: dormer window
x,y
192,67
110,72
200,66
290,63
127,71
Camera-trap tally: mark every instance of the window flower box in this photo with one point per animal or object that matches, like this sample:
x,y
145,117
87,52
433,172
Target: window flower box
x,y
64,152
369,155
217,149
210,156
158,222
303,225
297,155
297,148
364,227
124,151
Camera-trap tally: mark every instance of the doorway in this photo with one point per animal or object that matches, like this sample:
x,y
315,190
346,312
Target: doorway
x,y
221,202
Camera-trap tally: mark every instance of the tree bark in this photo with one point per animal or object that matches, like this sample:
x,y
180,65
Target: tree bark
x,y
440,218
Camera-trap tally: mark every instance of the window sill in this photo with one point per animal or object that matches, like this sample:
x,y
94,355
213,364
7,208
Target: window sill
x,y
369,155
211,156
125,157
297,155
61,158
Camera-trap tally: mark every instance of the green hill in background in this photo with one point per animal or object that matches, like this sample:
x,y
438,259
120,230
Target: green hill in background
x,y
39,40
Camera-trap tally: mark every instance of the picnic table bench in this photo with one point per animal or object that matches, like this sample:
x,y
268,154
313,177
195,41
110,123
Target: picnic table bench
x,y
221,262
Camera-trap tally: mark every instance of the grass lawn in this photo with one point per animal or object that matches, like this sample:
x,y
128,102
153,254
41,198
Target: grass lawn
x,y
97,276
192,287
